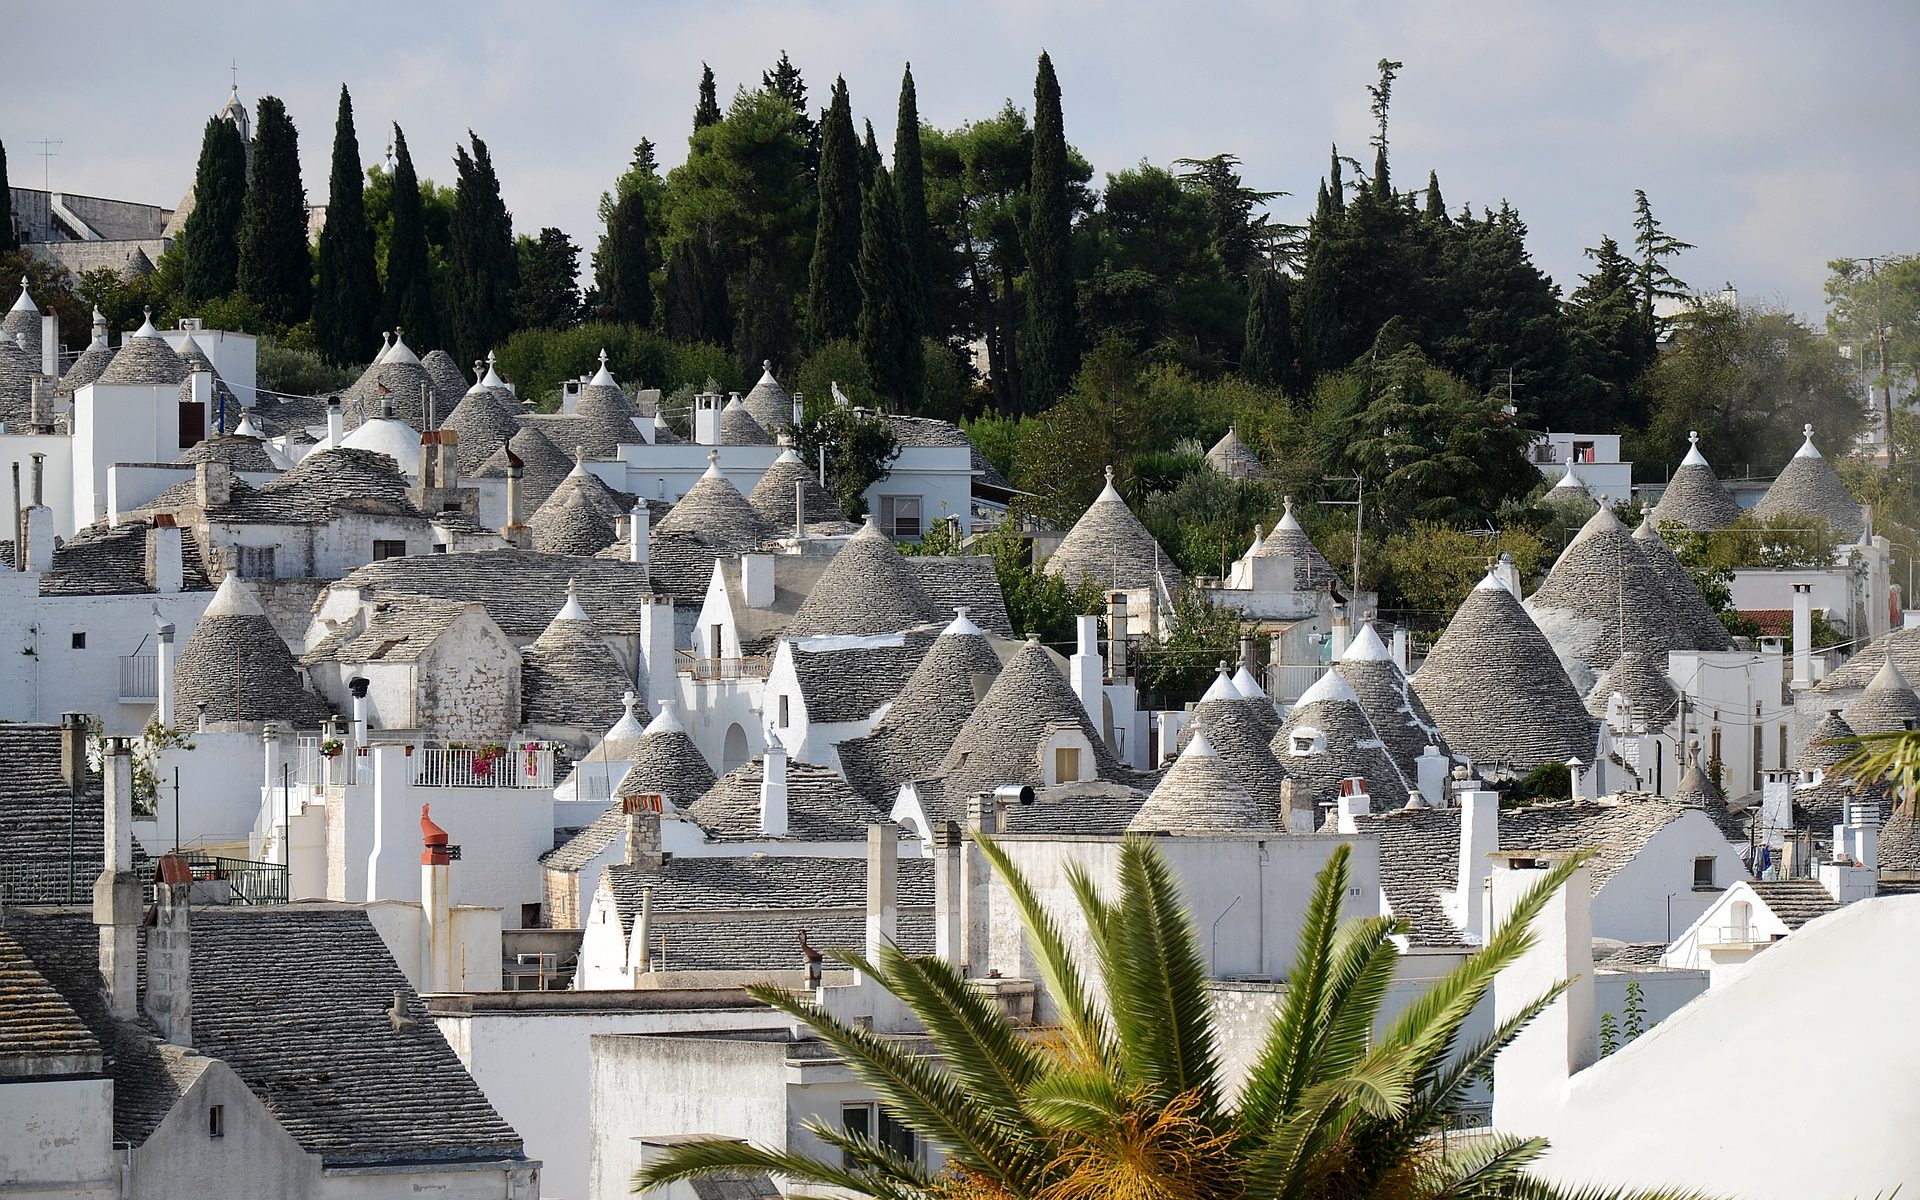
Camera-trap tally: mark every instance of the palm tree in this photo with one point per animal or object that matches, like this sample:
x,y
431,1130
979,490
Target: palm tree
x,y
1892,759
1124,1098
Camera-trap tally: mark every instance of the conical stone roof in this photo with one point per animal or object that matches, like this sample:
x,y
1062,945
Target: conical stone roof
x,y
919,727
768,403
1495,687
146,360
738,428
1808,485
1826,744
1327,738
1601,584
482,424
604,414
22,321
1887,704
197,360
92,361
1693,618
772,497
1243,742
1695,496
1311,570
1234,458
1696,790
448,383
568,525
667,762
714,511
398,370
999,744
543,467
1110,546
1201,795
239,452
866,588
570,675
1900,842
240,668
1641,679
1388,699
17,373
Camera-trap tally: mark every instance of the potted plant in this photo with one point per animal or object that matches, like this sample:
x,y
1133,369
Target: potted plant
x,y
484,758
331,748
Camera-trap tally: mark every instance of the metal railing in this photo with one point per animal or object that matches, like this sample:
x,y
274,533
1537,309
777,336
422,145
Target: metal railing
x,y
1729,935
752,666
139,678
46,883
251,882
518,766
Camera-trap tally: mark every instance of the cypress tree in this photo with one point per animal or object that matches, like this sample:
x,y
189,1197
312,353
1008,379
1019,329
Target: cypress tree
x,y
1050,342
833,291
210,243
1436,207
696,293
275,270
1268,357
889,343
621,268
547,295
869,160
481,255
785,81
346,304
9,238
707,111
910,187
765,332
408,301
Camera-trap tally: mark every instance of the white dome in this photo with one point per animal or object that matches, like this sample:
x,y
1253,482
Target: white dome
x,y
389,436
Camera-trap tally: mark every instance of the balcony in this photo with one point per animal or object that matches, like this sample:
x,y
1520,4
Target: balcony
x,y
753,666
139,679
526,765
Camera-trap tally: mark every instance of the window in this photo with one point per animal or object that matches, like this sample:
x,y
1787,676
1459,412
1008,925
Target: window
x,y
254,562
1713,755
786,716
79,639
1783,747
1759,753
874,1123
900,516
1066,764
713,648
1703,873
216,1120
1583,452
389,548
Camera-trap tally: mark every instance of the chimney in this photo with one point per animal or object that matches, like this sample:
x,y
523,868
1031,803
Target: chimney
x,y
756,580
336,424
73,751
1508,573
643,828
640,534
799,411
513,531
1802,637
1400,655
946,891
1353,803
358,687
163,666
19,523
49,343
1430,774
436,904
1479,840
116,894
169,1000
429,458
799,510
883,892
642,952
447,473
39,480
200,383
1118,666
39,521
212,484
1853,871
166,568
36,404
1341,632
1084,669
1531,1075
773,791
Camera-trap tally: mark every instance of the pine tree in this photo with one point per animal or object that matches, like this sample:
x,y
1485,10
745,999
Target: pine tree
x,y
888,342
622,268
785,82
1382,100
1656,282
1050,342
346,304
707,111
1268,357
696,293
481,256
210,243
833,291
1603,316
9,237
1436,207
910,187
275,269
765,332
408,298
547,295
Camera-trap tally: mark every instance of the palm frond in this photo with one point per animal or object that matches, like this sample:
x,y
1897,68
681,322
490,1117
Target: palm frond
x,y
1075,1099
1485,1166
1532,1187
1080,1019
1890,758
923,1095
697,1160
1286,1152
1281,1072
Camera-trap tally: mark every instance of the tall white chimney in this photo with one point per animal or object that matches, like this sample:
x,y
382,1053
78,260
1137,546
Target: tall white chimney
x,y
163,667
883,893
773,791
49,344
1085,669
436,905
1479,840
336,424
1530,1076
1802,637
1430,772
639,534
116,894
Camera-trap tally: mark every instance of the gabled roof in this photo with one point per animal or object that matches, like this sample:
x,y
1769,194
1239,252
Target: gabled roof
x,y
1695,496
820,805
239,452
1887,705
1110,546
1808,485
1615,832
1233,458
1311,570
399,628
238,666
768,403
1496,689
35,1020
1419,859
1200,794
866,588
570,675
521,589
1000,741
103,560
842,682
1694,619
41,828
1795,901
145,359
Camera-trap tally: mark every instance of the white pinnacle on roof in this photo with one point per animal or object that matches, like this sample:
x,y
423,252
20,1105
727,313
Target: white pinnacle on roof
x,y
602,377
1287,519
1330,686
146,329
1807,448
713,466
1259,539
1694,458
25,302
234,599
571,610
1107,492
99,327
1199,747
492,378
1366,647
667,720
1490,584
247,428
399,352
1570,481
1247,685
1222,688
790,456
961,623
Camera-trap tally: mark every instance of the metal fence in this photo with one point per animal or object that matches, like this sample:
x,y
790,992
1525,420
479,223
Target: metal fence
x,y
518,766
139,678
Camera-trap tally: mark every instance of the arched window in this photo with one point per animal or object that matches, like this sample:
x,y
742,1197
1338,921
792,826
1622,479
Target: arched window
x,y
734,753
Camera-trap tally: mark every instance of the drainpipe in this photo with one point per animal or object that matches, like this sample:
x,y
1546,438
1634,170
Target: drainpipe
x,y
163,673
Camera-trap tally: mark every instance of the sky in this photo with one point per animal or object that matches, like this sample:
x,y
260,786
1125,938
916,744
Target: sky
x,y
1773,136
